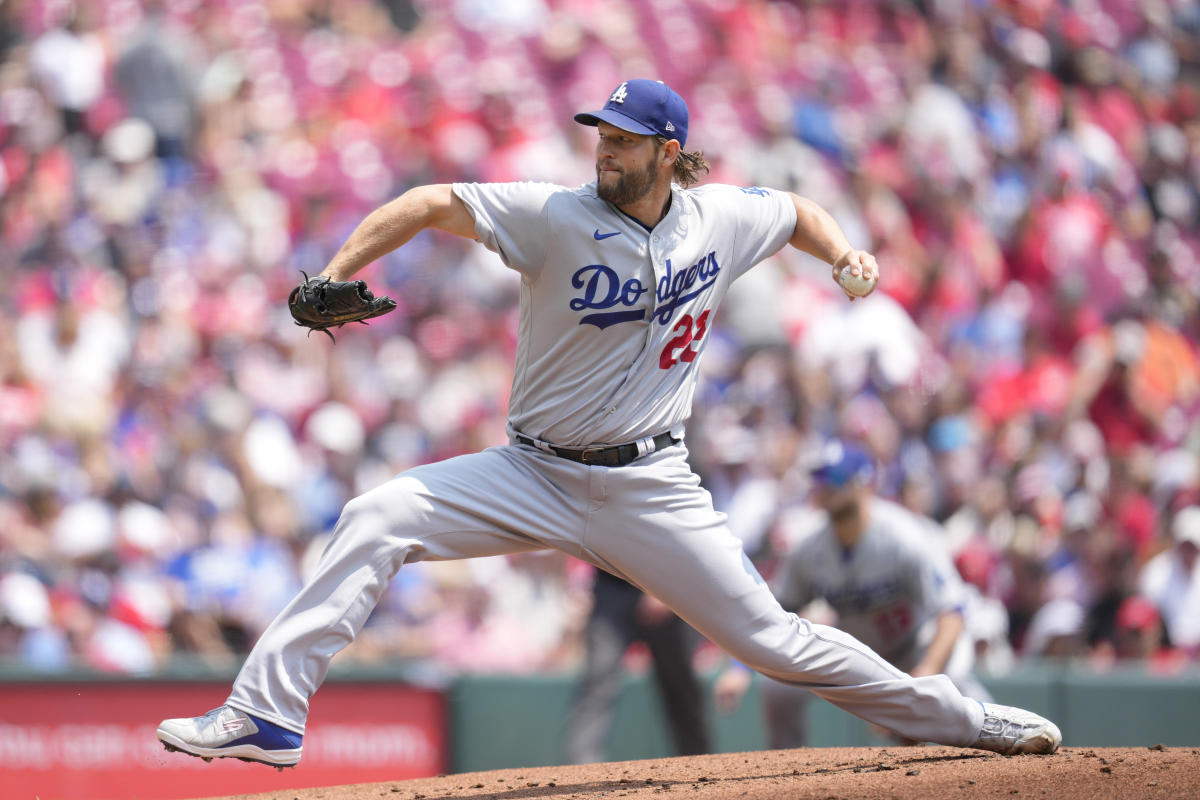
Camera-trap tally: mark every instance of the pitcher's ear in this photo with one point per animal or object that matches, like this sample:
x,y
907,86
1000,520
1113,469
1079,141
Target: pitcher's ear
x,y
670,151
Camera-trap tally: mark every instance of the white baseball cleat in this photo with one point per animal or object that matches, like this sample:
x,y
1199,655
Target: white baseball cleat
x,y
1010,731
226,732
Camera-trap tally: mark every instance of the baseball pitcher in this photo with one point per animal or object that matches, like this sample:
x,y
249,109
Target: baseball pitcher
x,y
620,281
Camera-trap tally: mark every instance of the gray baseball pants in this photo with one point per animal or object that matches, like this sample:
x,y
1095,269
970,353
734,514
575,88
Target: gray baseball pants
x,y
649,522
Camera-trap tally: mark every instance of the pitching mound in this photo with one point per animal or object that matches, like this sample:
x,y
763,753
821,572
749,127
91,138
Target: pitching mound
x,y
887,773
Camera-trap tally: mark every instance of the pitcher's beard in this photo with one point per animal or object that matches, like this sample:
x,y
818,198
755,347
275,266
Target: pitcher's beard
x,y
629,188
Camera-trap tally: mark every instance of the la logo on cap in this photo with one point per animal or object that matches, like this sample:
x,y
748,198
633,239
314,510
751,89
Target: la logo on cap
x,y
644,107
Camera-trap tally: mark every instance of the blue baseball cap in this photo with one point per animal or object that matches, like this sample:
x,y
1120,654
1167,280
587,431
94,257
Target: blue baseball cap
x,y
650,108
840,463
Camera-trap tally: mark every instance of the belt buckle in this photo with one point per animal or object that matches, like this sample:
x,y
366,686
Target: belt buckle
x,y
589,454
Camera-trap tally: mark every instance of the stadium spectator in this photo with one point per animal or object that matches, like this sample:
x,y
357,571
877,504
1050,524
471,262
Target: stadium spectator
x,y
1026,173
1171,580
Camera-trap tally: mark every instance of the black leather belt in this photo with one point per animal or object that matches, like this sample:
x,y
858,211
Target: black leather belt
x,y
617,455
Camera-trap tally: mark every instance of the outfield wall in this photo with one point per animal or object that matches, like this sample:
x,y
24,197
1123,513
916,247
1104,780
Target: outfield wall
x,y
88,737
498,721
83,738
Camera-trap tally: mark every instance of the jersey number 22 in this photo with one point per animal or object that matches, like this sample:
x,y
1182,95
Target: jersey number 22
x,y
688,331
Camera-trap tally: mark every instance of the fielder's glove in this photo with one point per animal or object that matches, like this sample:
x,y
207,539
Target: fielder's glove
x,y
322,303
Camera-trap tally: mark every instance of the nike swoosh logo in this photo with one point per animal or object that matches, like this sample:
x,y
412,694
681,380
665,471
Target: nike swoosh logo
x,y
599,236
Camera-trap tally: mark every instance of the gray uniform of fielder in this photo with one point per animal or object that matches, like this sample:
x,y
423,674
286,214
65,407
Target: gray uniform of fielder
x,y
612,321
888,591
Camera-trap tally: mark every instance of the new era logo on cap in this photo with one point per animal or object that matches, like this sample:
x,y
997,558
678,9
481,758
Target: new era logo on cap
x,y
643,106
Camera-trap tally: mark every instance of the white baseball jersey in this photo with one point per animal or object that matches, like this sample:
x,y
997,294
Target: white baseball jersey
x,y
612,315
887,590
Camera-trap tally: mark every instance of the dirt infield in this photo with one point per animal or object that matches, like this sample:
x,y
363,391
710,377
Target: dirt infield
x,y
871,773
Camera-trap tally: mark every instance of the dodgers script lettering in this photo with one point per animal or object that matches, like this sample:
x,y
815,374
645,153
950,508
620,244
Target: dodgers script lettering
x,y
672,287
603,289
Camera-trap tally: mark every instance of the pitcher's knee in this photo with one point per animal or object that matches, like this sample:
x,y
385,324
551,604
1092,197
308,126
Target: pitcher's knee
x,y
358,513
401,499
772,664
775,650
393,510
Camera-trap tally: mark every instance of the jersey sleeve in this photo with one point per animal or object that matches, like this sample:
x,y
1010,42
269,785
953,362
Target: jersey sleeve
x,y
935,581
511,220
763,221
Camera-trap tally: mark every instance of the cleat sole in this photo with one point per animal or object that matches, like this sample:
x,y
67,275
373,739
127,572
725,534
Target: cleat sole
x,y
293,758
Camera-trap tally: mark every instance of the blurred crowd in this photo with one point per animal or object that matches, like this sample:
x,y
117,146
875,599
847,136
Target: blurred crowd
x,y
176,451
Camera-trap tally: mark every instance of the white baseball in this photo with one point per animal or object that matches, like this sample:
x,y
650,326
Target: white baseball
x,y
857,285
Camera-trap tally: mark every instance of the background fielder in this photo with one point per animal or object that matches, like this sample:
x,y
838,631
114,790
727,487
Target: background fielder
x,y
885,573
619,281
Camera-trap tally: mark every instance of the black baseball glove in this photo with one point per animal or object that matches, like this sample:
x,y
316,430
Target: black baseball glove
x,y
322,303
